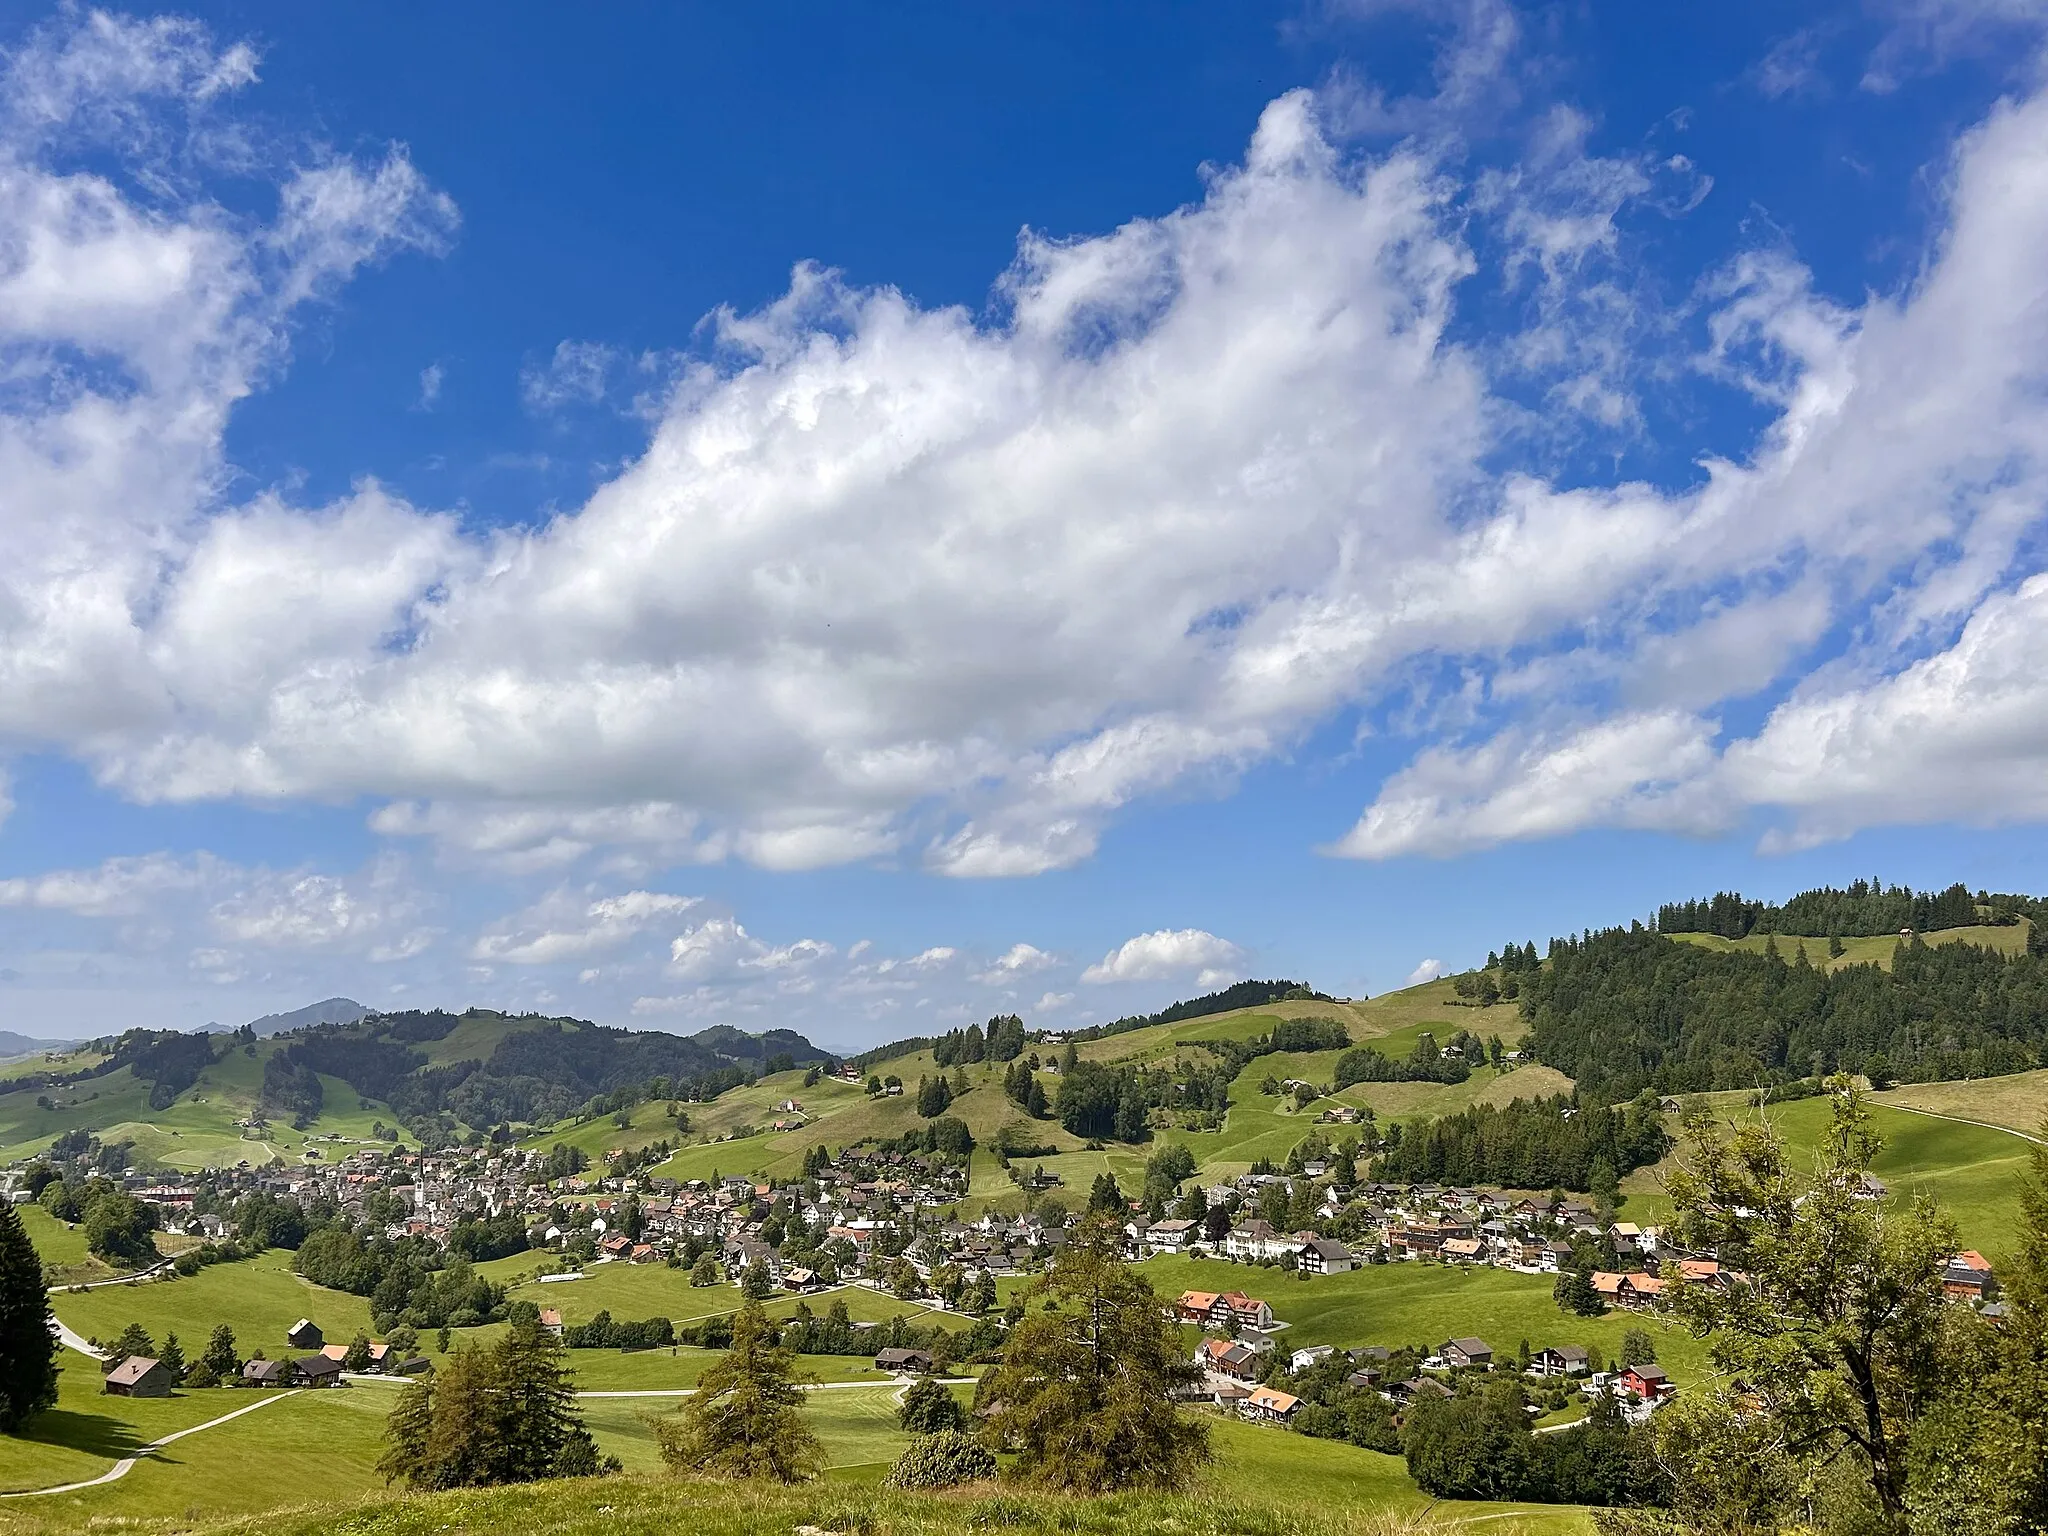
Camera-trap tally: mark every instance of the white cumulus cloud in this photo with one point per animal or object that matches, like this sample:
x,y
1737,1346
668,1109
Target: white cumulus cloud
x,y
1167,954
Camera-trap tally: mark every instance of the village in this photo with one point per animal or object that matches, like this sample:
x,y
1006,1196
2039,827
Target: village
x,y
887,1221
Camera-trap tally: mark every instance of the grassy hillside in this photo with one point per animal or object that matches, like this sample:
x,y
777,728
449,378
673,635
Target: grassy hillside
x,y
1971,1170
2009,939
259,1298
1257,1126
198,1130
2018,1102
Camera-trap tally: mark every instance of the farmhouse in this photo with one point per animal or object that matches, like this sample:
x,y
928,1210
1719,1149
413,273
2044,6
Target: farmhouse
x,y
1466,1352
917,1361
1967,1277
1269,1405
269,1373
1324,1256
1560,1360
305,1334
319,1371
1222,1357
139,1376
1634,1291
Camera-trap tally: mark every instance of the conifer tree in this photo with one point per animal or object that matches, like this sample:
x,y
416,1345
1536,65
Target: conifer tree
x,y
1086,1393
746,1417
536,1405
28,1351
132,1340
172,1357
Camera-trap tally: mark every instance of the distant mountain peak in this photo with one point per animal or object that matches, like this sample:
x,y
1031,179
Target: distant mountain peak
x,y
332,1010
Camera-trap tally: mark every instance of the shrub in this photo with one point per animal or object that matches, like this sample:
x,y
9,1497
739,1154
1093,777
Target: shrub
x,y
944,1460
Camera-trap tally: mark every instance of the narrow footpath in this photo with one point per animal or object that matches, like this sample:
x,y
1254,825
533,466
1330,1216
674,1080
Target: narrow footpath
x,y
121,1468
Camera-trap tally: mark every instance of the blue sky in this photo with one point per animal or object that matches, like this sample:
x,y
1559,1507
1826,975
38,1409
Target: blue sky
x,y
860,518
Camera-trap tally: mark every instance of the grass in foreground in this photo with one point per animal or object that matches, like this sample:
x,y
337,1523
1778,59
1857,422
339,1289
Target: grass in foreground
x,y
1265,1482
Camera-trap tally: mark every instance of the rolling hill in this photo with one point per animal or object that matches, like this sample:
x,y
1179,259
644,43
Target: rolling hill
x,y
195,1100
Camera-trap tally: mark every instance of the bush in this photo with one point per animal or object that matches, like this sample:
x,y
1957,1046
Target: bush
x,y
944,1460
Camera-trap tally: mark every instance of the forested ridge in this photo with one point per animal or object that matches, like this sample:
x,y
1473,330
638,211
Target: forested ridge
x,y
1627,1009
1861,909
539,1070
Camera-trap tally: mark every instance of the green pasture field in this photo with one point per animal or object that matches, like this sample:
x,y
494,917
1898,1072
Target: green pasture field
x,y
48,1061
1973,1172
259,1298
1425,1304
663,1370
2018,1102
1873,950
633,1291
198,1130
88,1430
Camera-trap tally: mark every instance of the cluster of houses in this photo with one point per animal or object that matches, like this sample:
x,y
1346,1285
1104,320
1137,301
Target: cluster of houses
x,y
326,1365
1234,1367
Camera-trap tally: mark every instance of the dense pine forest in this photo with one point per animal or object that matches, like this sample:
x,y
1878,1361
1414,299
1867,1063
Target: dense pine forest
x,y
1554,1143
1627,1009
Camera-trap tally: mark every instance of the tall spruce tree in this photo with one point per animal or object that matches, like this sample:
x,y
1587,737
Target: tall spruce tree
x,y
1086,1393
502,1415
746,1417
28,1351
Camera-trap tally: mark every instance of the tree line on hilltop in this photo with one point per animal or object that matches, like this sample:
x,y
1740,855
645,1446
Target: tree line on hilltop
x,y
1626,1009
1862,909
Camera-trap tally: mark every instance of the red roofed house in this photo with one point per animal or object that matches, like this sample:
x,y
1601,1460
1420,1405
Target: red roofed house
x,y
1270,1405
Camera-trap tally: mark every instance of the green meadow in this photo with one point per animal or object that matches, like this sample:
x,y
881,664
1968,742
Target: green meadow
x,y
1973,1171
259,1298
198,1130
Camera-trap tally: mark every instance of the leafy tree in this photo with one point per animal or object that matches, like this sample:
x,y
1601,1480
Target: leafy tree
x,y
930,1406
704,1271
441,1338
755,1284
1838,1333
117,1228
28,1350
220,1357
358,1356
746,1417
1086,1391
1638,1348
1473,1446
945,1459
